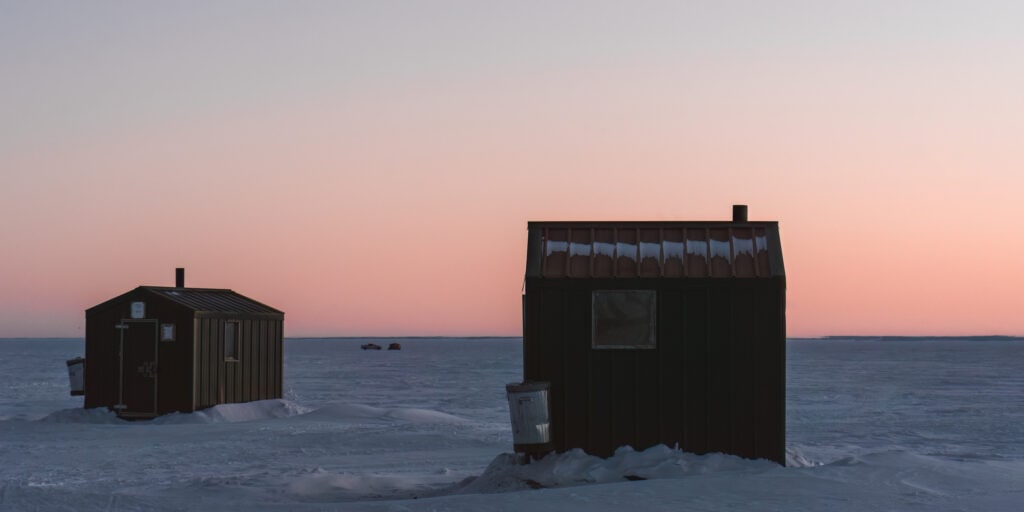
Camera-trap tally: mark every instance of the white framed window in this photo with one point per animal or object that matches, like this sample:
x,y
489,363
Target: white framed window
x,y
231,341
166,332
624,319
138,310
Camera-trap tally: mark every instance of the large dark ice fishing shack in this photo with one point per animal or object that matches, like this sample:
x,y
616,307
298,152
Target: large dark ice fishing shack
x,y
156,350
659,333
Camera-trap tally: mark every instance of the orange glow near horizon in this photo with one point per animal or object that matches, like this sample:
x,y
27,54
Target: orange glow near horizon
x,y
371,172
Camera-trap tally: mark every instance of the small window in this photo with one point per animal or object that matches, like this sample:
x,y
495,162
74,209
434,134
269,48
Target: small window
x,y
166,332
231,341
138,310
624,319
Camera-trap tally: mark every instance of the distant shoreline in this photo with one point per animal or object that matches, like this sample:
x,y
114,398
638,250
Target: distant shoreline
x,y
990,337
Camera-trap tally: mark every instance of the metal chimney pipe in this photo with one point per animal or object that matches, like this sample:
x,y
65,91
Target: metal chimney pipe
x,y
739,213
179,278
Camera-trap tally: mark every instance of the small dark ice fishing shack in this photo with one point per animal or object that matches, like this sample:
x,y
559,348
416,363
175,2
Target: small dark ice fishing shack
x,y
659,333
156,350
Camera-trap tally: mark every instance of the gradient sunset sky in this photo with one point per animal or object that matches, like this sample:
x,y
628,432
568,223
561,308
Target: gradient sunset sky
x,y
370,167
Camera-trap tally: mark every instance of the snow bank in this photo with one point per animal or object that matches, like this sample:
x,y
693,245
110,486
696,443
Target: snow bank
x,y
270,409
506,474
795,458
235,413
342,412
91,416
225,413
323,486
575,467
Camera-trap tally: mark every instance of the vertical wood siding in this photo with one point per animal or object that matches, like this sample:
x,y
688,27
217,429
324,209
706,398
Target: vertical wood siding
x,y
714,383
192,370
256,375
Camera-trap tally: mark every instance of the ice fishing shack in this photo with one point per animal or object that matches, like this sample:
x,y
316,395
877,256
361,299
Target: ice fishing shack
x,y
659,333
156,350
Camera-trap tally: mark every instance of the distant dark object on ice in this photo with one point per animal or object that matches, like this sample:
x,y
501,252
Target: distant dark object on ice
x,y
395,346
370,346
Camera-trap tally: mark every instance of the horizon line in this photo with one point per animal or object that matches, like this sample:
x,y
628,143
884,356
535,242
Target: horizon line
x,y
492,336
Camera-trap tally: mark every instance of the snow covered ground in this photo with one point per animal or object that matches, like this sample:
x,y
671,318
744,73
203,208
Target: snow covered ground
x,y
872,425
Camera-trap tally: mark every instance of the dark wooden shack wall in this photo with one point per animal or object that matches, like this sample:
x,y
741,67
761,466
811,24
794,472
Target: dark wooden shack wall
x,y
103,351
102,343
174,384
715,382
256,375
192,370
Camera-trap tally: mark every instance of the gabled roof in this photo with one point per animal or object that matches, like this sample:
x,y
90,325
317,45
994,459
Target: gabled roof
x,y
211,300
668,249
203,301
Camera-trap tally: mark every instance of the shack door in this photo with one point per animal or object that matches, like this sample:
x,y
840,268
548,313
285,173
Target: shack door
x,y
138,369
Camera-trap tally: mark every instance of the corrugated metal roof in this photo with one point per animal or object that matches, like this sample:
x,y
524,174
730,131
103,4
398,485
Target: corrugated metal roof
x,y
208,300
654,249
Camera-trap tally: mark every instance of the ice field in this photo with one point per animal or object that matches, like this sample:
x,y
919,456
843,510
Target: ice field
x,y
871,425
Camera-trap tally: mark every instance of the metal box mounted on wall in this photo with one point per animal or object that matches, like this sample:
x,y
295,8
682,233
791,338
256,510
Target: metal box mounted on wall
x,y
528,408
659,333
155,350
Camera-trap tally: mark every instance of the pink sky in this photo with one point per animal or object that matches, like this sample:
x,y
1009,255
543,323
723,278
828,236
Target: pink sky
x,y
370,167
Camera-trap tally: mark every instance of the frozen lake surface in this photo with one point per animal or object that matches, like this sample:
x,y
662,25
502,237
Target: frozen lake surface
x,y
871,425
